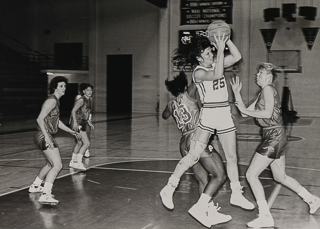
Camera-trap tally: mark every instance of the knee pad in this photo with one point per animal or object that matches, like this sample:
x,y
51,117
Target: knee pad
x,y
189,160
196,149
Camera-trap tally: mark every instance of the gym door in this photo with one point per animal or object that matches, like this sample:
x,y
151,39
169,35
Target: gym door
x,y
119,84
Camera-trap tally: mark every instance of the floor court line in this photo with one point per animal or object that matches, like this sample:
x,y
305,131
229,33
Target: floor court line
x,y
274,194
98,167
71,173
145,159
165,172
139,170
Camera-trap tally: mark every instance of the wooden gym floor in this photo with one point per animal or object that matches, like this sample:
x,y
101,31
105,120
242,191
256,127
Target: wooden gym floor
x,y
132,156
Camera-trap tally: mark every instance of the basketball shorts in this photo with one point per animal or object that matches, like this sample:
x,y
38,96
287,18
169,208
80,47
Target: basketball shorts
x,y
83,124
41,143
216,120
274,142
185,142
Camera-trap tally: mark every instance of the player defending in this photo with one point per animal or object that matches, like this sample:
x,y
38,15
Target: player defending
x,y
48,124
267,113
80,121
185,111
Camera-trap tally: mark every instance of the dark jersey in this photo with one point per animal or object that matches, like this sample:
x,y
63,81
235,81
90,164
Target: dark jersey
x,y
83,113
185,112
276,118
51,121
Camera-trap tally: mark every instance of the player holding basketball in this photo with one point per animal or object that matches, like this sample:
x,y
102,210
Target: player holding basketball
x,y
215,117
185,111
267,113
80,121
48,124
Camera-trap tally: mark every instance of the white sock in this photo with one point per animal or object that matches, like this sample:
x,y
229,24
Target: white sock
x,y
79,157
235,186
263,207
47,188
173,181
305,195
74,157
204,199
37,181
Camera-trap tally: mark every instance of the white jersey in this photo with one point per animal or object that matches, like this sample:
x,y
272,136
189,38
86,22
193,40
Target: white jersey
x,y
212,93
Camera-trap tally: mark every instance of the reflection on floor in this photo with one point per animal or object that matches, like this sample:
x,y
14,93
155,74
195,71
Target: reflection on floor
x,y
132,157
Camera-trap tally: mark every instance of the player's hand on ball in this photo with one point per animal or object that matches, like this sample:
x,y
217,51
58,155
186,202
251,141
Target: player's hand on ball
x,y
220,39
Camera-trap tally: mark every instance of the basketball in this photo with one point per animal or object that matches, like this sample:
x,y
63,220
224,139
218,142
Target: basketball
x,y
216,27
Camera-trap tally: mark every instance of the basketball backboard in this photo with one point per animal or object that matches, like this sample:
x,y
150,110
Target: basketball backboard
x,y
285,60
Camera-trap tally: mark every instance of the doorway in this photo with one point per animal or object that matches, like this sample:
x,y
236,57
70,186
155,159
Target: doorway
x,y
119,84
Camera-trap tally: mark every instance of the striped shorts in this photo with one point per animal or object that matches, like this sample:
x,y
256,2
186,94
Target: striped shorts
x,y
216,120
40,143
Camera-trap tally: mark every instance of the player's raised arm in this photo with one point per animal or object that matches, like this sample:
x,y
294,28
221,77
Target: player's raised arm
x,y
234,56
206,59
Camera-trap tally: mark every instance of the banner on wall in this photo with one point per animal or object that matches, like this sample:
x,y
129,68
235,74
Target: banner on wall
x,y
310,35
268,36
199,12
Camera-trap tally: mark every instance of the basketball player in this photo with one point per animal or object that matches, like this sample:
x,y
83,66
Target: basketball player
x,y
87,153
267,113
185,111
215,117
48,124
80,121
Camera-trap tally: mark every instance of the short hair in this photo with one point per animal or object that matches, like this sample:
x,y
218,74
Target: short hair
x,y
187,54
55,81
84,86
270,69
178,84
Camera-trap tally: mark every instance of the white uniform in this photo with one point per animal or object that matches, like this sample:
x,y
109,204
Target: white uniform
x,y
215,116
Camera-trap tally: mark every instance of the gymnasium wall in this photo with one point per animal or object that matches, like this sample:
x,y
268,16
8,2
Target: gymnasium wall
x,y
150,34
109,28
128,27
104,28
17,20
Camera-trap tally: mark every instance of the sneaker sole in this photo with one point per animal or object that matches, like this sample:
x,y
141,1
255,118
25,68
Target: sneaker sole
x,y
313,211
237,205
77,168
194,215
165,204
219,222
48,203
34,191
81,169
264,226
